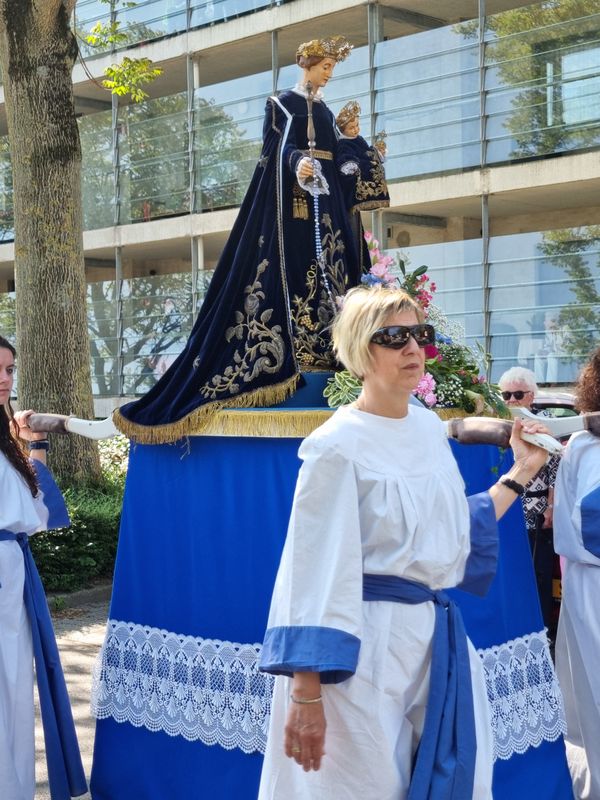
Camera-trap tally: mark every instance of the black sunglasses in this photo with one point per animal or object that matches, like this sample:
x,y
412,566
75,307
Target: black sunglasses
x,y
397,336
518,395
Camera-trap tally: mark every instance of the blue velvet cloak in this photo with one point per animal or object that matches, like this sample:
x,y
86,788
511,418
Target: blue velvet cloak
x,y
367,188
267,312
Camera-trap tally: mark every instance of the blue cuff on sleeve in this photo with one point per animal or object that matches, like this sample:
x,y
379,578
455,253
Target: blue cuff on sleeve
x,y
590,522
483,559
306,648
58,516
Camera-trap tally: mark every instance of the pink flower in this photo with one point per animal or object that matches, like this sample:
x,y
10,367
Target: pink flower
x,y
368,237
431,351
375,254
388,277
426,384
387,260
378,269
430,399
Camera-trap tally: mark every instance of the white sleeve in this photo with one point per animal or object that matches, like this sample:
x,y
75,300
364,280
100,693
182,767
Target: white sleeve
x,y
315,618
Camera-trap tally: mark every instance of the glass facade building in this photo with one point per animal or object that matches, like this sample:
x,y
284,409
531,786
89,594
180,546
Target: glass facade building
x,y
492,115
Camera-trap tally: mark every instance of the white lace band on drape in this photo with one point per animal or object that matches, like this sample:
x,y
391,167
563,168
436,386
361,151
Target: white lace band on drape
x,y
524,696
201,689
211,691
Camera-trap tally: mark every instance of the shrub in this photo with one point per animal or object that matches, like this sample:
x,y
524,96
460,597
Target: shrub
x,y
72,558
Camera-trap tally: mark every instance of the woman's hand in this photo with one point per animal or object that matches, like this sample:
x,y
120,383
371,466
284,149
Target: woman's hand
x,y
529,457
305,168
305,734
25,432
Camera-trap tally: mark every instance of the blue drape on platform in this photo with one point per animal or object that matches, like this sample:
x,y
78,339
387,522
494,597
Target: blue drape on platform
x,y
201,536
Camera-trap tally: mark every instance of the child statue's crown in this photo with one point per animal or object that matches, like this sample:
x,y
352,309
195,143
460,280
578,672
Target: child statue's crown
x,y
349,112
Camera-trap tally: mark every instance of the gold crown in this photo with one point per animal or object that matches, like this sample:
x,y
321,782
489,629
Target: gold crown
x,y
336,47
349,112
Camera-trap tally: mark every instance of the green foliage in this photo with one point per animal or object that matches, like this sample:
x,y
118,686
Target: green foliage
x,y
129,76
521,45
577,252
342,388
72,558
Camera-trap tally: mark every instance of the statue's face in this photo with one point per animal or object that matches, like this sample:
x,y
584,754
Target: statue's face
x,y
352,129
320,73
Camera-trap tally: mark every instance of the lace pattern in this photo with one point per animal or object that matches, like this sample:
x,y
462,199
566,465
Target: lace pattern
x,y
211,691
201,689
525,699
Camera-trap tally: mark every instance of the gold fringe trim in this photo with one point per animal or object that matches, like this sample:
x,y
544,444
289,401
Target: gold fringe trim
x,y
269,422
451,413
198,421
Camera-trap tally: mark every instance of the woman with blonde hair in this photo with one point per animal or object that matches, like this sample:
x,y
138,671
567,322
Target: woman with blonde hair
x,y
379,692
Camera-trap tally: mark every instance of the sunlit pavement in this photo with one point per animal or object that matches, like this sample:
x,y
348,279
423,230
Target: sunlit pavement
x,y
79,633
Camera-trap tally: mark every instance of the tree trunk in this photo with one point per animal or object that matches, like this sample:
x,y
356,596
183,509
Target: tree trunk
x,y
37,50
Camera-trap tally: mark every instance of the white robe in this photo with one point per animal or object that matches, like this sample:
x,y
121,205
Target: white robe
x,y
578,639
383,496
19,513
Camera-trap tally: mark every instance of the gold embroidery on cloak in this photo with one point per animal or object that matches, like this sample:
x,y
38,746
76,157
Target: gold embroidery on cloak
x,y
313,314
263,346
375,187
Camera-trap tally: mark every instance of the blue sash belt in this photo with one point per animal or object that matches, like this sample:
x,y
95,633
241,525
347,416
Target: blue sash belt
x,y
65,770
444,765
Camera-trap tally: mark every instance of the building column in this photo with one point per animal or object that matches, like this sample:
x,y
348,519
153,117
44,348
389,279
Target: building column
x,y
375,32
197,250
275,59
119,313
192,85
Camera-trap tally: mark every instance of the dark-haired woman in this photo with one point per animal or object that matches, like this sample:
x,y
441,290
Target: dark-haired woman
x,y
29,502
577,539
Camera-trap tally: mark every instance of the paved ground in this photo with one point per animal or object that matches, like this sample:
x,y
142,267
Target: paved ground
x,y
79,633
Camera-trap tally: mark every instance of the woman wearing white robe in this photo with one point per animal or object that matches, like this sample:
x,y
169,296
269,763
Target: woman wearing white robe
x,y
29,502
379,493
577,539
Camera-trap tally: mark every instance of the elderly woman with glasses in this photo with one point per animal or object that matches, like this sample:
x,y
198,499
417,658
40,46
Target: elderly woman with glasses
x,y
379,692
518,388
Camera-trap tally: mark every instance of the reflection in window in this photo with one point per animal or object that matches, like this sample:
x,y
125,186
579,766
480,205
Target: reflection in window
x,y
228,120
154,166
455,267
581,86
545,301
542,81
157,321
427,100
95,131
7,222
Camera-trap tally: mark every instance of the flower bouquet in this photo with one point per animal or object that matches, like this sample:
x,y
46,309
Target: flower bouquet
x,y
454,373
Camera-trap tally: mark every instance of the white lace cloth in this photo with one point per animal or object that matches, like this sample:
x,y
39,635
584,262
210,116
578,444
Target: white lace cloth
x,y
211,691
201,689
524,695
